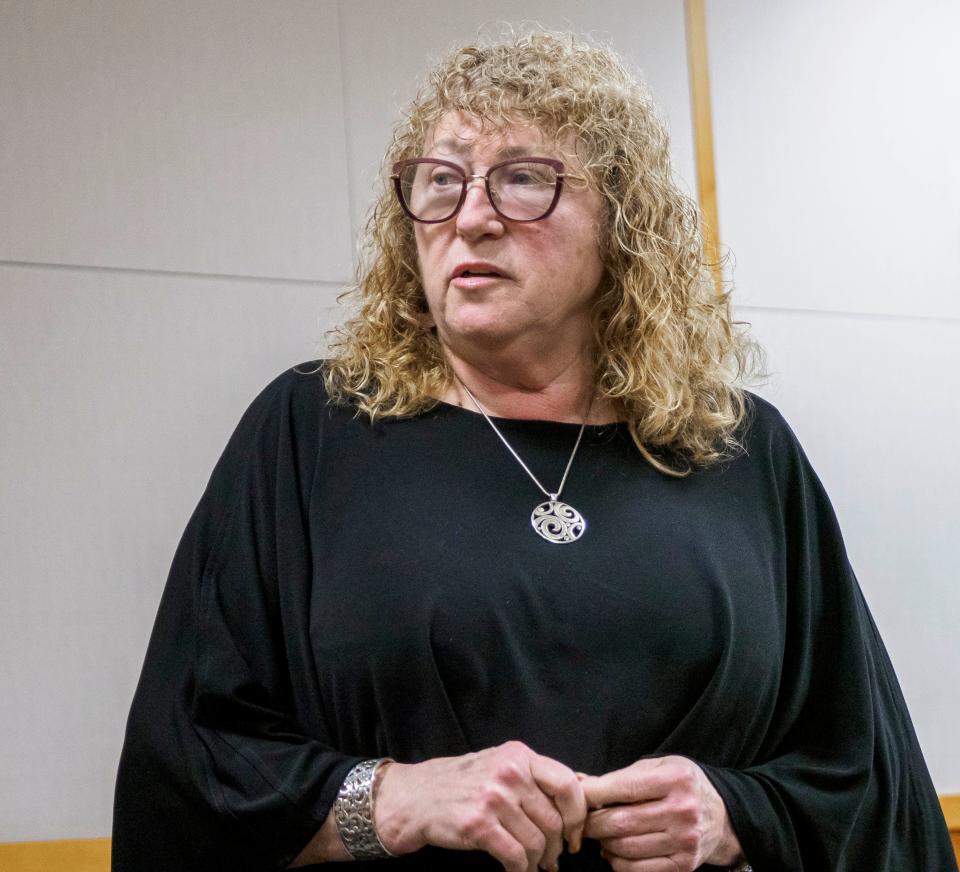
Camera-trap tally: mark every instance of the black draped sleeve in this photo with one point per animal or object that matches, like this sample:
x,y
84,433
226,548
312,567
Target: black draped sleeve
x,y
837,780
227,762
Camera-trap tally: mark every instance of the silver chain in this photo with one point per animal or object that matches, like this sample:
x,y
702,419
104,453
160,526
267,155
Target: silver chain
x,y
566,472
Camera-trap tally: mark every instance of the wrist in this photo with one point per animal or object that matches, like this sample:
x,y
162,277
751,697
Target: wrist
x,y
354,810
728,853
398,831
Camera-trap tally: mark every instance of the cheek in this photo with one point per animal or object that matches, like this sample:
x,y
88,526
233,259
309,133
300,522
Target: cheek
x,y
425,248
580,263
421,249
429,260
575,244
590,259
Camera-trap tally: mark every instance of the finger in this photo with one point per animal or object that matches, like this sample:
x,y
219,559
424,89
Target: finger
x,y
515,821
656,864
627,820
566,790
501,844
545,816
638,782
641,847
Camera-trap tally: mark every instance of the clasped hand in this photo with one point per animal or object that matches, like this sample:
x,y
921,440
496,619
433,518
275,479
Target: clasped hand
x,y
659,815
520,807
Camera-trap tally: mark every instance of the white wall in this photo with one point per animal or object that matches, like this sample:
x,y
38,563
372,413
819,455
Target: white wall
x,y
839,196
169,240
178,186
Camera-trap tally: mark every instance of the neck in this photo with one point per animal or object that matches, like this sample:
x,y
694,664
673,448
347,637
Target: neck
x,y
552,389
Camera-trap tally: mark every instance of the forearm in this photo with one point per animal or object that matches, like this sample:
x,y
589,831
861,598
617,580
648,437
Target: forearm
x,y
728,852
324,847
327,845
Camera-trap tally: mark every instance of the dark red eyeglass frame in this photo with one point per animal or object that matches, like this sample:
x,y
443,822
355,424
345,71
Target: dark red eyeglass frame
x,y
557,166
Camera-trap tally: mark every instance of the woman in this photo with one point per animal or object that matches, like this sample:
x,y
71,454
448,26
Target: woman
x,y
520,578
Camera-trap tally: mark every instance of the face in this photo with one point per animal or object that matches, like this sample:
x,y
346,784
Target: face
x,y
543,274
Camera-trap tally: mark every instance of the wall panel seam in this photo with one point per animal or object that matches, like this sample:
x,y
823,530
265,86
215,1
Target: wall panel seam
x,y
164,273
845,313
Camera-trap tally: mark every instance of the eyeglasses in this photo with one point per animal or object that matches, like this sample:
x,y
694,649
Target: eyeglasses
x,y
525,189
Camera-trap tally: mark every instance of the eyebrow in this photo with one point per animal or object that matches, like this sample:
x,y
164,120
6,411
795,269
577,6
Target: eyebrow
x,y
459,147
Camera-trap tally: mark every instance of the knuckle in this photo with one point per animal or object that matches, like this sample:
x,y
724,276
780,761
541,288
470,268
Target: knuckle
x,y
688,811
554,822
570,790
509,772
537,843
619,827
492,799
475,828
687,779
516,857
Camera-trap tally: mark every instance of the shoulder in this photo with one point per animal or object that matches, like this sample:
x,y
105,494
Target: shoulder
x,y
773,451
768,453
283,421
766,432
292,401
299,388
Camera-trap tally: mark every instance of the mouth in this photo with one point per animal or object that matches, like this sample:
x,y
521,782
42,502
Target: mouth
x,y
477,271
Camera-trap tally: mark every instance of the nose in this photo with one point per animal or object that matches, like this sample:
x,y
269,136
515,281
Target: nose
x,y
477,217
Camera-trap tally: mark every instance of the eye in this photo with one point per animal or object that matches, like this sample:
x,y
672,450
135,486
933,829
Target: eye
x,y
441,177
528,175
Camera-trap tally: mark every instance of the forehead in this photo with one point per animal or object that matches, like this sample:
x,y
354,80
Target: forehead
x,y
467,136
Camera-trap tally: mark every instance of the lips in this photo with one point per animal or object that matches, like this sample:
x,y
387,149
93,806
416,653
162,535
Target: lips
x,y
477,269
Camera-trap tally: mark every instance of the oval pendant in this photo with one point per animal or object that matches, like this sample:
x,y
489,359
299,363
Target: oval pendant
x,y
558,522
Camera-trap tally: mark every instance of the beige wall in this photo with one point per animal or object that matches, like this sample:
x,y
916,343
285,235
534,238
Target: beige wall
x,y
179,183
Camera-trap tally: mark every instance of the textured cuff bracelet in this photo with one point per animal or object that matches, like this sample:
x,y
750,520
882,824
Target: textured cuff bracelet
x,y
353,812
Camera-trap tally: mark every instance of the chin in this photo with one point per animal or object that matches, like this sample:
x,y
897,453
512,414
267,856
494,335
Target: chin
x,y
479,331
474,322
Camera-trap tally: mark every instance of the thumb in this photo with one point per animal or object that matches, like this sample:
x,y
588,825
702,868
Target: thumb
x,y
632,784
601,790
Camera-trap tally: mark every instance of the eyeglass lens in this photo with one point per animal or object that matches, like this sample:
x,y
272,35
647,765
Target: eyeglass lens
x,y
520,190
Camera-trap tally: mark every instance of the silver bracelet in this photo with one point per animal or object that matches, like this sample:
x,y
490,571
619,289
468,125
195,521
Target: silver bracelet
x,y
353,812
743,867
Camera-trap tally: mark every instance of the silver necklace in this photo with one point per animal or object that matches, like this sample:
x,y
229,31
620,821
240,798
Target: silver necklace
x,y
554,520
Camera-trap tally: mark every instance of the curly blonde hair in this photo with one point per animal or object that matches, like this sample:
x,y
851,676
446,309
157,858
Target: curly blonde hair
x,y
666,352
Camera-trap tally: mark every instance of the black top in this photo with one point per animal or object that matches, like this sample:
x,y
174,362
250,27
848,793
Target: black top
x,y
347,590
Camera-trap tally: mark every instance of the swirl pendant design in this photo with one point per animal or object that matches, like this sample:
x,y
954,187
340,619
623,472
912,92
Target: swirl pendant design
x,y
558,522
